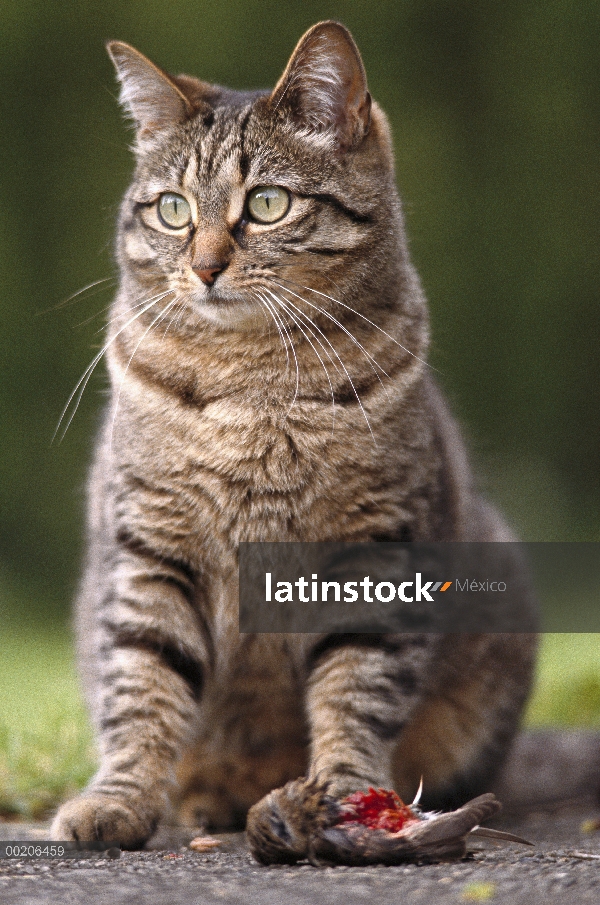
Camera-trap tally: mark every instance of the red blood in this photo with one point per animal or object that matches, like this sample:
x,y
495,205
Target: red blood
x,y
379,809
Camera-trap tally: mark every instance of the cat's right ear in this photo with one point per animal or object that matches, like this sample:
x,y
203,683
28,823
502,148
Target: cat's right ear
x,y
149,95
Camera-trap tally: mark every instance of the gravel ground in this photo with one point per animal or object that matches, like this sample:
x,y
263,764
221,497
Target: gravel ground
x,y
563,866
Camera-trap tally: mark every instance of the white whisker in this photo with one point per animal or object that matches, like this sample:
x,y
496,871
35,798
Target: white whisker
x,y
154,323
354,390
289,338
111,320
179,316
174,317
310,322
84,379
123,314
285,307
274,319
374,364
170,321
75,296
354,311
94,316
288,334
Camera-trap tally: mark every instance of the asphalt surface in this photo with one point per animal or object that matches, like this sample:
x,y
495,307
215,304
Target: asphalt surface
x,y
563,866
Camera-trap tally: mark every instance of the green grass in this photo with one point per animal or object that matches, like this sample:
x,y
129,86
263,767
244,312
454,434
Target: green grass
x,y
567,689
46,748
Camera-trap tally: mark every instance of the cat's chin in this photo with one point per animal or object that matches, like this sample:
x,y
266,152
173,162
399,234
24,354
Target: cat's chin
x,y
231,311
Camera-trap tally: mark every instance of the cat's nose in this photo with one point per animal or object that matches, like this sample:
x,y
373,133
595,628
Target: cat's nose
x,y
208,274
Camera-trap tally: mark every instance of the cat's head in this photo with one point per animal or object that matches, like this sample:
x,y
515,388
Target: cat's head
x,y
245,204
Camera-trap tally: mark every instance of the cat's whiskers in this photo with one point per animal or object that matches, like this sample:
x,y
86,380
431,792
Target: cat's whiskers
x,y
168,307
72,299
85,377
286,308
354,390
180,313
271,316
175,317
170,321
287,332
94,316
123,314
374,364
313,326
358,313
268,319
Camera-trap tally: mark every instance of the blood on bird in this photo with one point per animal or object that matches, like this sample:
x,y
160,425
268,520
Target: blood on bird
x,y
378,809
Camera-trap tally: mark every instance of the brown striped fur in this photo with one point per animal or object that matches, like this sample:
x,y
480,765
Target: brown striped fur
x,y
289,400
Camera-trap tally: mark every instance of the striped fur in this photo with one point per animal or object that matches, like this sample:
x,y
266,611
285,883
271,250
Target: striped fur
x,y
289,400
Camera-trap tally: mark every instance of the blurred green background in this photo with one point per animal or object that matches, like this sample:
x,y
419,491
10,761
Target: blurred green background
x,y
495,110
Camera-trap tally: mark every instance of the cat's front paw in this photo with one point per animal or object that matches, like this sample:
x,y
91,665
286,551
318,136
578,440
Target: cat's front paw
x,y
92,817
282,825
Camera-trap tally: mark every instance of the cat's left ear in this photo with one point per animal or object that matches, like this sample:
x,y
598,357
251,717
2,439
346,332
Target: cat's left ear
x,y
149,95
324,86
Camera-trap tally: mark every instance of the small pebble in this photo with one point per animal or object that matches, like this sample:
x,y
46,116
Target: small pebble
x,y
204,843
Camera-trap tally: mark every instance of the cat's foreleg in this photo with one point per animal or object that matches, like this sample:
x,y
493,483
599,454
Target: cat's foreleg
x,y
146,679
360,694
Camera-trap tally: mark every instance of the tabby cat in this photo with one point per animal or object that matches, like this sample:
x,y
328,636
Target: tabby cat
x,y
266,352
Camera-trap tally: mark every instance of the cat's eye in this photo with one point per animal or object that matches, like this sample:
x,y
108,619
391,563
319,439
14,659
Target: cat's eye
x,y
174,211
268,203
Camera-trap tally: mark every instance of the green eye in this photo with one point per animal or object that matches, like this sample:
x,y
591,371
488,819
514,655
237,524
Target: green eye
x,y
268,203
174,211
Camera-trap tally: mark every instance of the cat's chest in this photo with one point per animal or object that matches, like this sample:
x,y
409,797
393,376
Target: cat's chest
x,y
255,475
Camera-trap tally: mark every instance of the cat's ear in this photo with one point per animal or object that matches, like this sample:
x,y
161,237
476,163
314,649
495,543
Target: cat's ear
x,y
324,86
148,94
